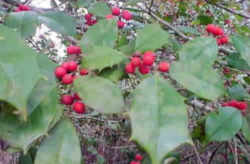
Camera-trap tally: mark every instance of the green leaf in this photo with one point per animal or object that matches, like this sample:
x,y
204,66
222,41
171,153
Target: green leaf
x,y
102,57
44,85
238,92
59,22
97,35
151,37
26,159
195,71
19,71
224,125
246,127
235,61
100,94
100,9
61,147
22,134
204,19
114,74
242,45
24,22
84,3
159,118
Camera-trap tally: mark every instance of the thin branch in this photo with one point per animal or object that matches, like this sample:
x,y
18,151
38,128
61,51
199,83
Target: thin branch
x,y
197,154
229,10
214,153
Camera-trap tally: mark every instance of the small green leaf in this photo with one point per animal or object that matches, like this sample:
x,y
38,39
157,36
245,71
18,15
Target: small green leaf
x,y
24,22
59,22
102,57
238,92
99,36
100,94
100,9
22,134
242,44
61,147
151,37
246,127
159,118
204,19
224,125
235,61
195,71
114,74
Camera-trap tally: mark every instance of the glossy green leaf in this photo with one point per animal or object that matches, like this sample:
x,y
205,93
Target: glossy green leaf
x,y
159,118
59,22
100,94
24,22
114,74
22,134
97,35
61,147
100,9
242,44
151,37
19,71
246,127
224,125
195,70
235,61
101,57
238,92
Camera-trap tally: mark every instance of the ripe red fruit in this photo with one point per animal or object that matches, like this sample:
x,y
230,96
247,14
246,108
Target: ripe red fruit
x,y
148,58
144,69
67,79
138,157
109,16
67,99
136,61
163,66
60,72
129,68
217,31
227,21
65,65
24,7
126,15
120,24
17,10
74,50
72,66
240,105
84,72
79,107
210,28
135,162
224,39
116,11
76,96
88,16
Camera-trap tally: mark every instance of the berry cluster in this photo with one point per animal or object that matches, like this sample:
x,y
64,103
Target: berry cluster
x,y
218,33
123,15
90,19
21,8
66,73
240,105
137,160
145,64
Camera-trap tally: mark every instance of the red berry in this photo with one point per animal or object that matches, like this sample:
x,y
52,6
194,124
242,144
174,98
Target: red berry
x,y
67,99
144,69
65,65
60,72
79,107
126,15
218,40
227,21
109,16
24,7
241,105
163,66
210,28
88,16
17,10
136,61
135,162
76,96
120,24
148,59
226,70
224,39
218,31
129,68
138,157
72,66
74,50
84,72
67,79
116,11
